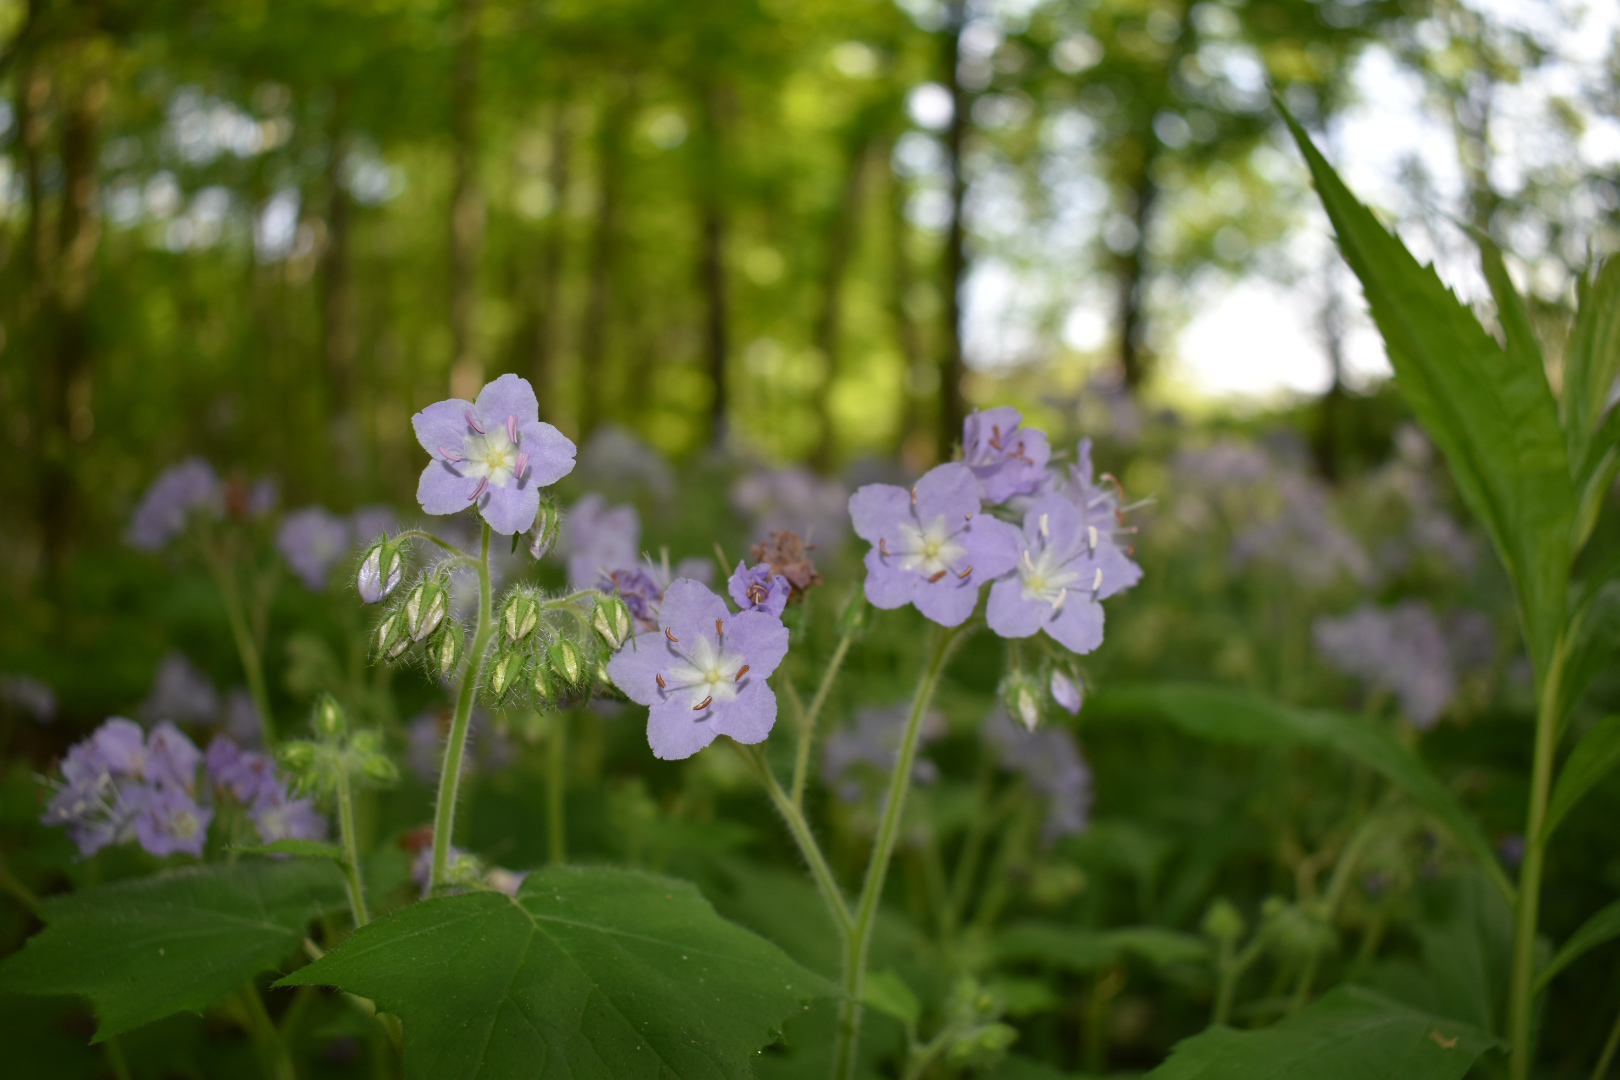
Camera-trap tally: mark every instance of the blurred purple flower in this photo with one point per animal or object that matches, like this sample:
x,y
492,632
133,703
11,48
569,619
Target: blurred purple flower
x,y
1007,458
1049,760
1303,539
487,749
1066,693
756,589
599,539
170,821
119,786
181,692
640,589
251,778
703,672
171,758
495,454
869,749
369,522
795,500
931,546
168,504
29,696
1401,649
313,540
1064,571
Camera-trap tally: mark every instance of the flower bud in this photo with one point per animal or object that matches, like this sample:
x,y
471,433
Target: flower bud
x,y
392,640
546,528
545,686
329,721
1223,922
445,649
521,616
1065,692
503,675
296,755
612,621
425,609
1022,696
380,571
566,661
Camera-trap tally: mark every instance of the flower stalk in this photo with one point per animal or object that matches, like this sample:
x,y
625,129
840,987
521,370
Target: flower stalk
x,y
444,816
351,850
808,717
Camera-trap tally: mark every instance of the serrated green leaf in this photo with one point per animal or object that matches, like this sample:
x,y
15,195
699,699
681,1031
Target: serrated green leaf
x,y
1492,415
589,972
1351,1033
1519,336
1602,927
1075,949
1593,758
1591,361
1224,715
306,849
178,941
888,993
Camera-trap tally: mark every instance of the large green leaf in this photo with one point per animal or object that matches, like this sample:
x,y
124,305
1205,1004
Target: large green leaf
x,y
142,949
1591,362
587,973
1593,758
1518,335
1492,415
1602,927
1351,1033
1086,950
1225,715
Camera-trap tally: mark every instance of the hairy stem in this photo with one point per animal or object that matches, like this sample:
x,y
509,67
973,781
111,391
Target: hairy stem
x,y
557,790
1521,989
351,851
418,534
444,817
793,814
807,723
860,939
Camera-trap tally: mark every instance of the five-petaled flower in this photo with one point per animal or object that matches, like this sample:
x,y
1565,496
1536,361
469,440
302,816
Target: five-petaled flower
x,y
702,672
931,546
1008,458
757,589
1064,571
494,453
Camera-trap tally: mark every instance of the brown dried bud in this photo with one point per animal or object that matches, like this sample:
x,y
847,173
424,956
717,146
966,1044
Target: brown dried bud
x,y
788,556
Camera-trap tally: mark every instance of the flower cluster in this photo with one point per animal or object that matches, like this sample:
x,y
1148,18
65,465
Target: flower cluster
x,y
252,780
1049,568
121,784
1407,650
187,489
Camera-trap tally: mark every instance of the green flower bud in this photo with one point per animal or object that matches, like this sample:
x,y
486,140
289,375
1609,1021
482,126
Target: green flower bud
x,y
521,616
296,755
392,640
1022,696
425,609
445,649
378,769
503,675
545,686
380,571
1223,922
329,721
546,528
612,621
566,661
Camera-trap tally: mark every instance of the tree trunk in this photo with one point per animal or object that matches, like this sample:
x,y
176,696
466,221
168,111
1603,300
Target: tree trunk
x,y
549,325
340,339
1132,273
593,337
466,205
952,409
829,320
917,430
712,263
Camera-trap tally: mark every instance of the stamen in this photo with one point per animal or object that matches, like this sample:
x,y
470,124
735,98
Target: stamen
x,y
511,430
662,685
995,437
704,704
671,635
483,484
1091,534
757,593
883,547
450,455
1096,582
914,496
522,466
1057,605
741,672
964,575
719,627
472,422
1028,561
936,577
1046,529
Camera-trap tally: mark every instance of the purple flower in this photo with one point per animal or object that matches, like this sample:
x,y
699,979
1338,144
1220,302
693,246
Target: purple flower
x,y
494,453
1066,692
1064,572
169,502
180,692
1050,762
1303,538
599,540
171,758
278,817
703,672
757,589
1007,458
117,748
313,540
872,747
170,822
640,589
930,546
251,779
29,695
1401,649
370,522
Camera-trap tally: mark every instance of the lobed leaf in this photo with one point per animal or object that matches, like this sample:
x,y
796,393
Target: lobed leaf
x,y
1350,1033
178,941
1600,928
587,973
1493,415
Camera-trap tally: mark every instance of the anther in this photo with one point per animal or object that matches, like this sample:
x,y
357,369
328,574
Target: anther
x,y
671,635
522,465
964,575
719,627
449,455
1028,561
741,672
1096,582
704,704
1046,529
511,429
483,485
662,685
472,422
883,547
1057,605
1091,534
914,496
936,577
995,437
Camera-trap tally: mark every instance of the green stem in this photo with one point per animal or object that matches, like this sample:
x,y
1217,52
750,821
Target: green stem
x,y
793,814
22,893
1521,991
807,725
273,1056
1231,972
351,851
418,534
557,790
444,817
849,1010
116,1060
247,649
1606,1058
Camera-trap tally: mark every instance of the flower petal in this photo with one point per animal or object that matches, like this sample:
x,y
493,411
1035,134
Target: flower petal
x,y
947,601
674,731
690,610
993,547
1079,626
444,423
509,395
750,717
1010,613
551,453
887,586
635,667
510,509
442,491
760,638
950,490
877,509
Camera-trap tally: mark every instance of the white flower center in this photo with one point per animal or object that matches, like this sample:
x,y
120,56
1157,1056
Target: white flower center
x,y
492,455
928,549
1046,577
708,671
